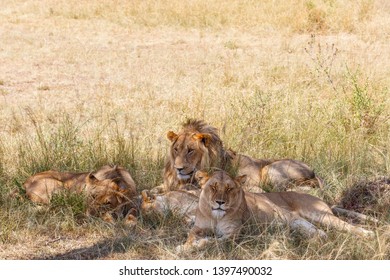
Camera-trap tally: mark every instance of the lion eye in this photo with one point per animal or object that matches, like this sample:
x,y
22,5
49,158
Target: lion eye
x,y
228,189
190,151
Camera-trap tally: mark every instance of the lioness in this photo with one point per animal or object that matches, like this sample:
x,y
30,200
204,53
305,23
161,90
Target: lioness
x,y
279,173
224,207
198,146
181,202
110,190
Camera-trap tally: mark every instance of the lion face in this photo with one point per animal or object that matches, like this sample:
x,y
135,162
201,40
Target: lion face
x,y
220,193
108,195
150,203
188,153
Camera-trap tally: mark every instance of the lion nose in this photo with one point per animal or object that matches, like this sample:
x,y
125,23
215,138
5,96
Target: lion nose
x,y
220,202
179,168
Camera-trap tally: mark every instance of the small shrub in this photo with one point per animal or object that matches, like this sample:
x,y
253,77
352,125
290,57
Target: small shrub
x,y
368,196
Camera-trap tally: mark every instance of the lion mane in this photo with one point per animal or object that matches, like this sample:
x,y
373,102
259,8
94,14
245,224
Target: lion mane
x,y
196,146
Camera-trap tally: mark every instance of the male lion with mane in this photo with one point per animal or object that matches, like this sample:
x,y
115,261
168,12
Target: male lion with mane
x,y
224,207
111,191
198,146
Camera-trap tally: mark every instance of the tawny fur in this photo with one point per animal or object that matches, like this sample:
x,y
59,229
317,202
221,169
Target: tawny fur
x,y
198,147
224,207
281,174
110,188
183,203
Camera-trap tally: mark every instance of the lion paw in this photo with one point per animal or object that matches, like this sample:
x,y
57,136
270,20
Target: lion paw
x,y
189,246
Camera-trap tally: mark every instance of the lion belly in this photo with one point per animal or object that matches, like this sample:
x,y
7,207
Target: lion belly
x,y
283,172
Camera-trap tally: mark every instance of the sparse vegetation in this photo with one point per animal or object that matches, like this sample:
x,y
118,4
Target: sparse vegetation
x,y
89,83
43,87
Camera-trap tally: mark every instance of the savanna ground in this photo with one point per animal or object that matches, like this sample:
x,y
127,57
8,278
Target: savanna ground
x,y
88,83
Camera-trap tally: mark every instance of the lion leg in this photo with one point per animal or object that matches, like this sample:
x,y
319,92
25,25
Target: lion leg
x,y
107,217
189,219
298,223
272,175
306,228
196,239
131,218
267,178
158,189
331,221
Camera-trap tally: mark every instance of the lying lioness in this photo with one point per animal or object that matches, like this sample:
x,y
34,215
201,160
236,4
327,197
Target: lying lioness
x,y
224,207
110,190
281,174
182,202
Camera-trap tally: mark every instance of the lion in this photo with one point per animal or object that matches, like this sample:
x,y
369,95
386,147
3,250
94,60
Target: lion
x,y
281,174
198,146
224,207
181,202
111,191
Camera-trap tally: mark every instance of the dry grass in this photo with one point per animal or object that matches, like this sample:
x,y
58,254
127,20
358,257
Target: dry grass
x,y
86,83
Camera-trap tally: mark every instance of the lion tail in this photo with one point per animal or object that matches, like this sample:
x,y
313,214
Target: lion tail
x,y
352,214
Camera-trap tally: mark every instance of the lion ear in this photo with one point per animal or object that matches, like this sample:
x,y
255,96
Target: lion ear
x,y
205,138
144,195
172,136
91,178
240,180
202,177
147,196
231,154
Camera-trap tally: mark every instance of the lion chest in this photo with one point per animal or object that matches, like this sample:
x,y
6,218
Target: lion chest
x,y
225,228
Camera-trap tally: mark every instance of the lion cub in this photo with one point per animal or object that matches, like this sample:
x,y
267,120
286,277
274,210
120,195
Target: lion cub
x,y
224,207
110,190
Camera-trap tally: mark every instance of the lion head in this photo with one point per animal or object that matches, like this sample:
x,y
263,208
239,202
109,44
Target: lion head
x,y
120,176
112,189
222,208
105,192
150,203
221,194
197,146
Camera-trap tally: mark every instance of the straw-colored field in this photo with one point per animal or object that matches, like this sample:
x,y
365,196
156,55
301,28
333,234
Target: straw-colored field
x,y
88,83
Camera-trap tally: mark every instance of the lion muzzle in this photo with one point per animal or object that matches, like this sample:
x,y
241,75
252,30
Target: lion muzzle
x,y
182,175
219,211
